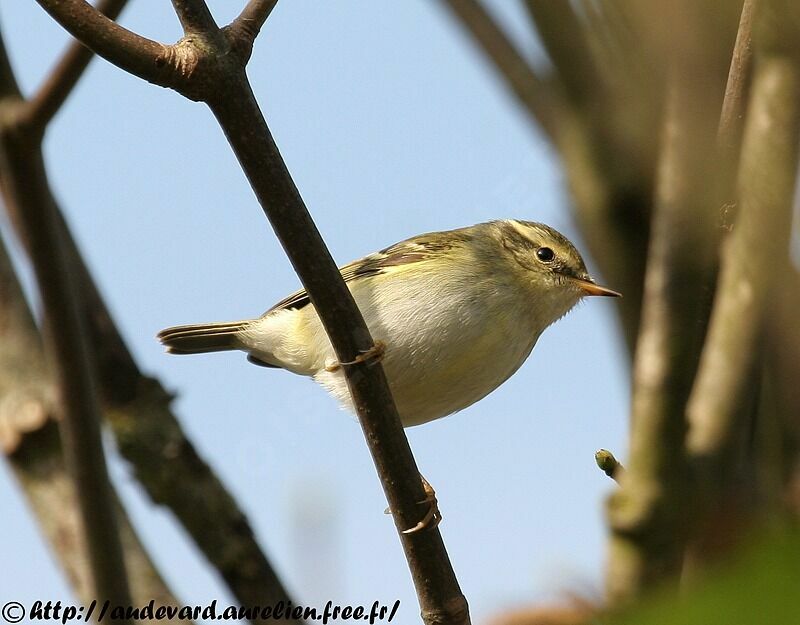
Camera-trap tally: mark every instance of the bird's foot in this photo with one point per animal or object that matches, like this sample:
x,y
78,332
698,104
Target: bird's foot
x,y
371,356
432,517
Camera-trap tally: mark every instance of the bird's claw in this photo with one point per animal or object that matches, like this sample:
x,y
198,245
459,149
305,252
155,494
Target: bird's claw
x,y
371,356
432,517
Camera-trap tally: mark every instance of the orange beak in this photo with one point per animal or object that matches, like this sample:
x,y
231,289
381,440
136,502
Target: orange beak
x,y
590,288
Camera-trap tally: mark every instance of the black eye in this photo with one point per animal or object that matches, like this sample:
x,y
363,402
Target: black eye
x,y
545,254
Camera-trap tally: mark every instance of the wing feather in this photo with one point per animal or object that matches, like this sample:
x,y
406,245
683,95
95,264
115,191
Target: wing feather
x,y
413,250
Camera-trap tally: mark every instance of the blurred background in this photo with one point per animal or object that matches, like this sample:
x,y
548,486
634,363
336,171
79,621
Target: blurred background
x,y
392,124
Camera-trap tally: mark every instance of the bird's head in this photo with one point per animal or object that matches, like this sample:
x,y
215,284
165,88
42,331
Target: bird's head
x,y
547,263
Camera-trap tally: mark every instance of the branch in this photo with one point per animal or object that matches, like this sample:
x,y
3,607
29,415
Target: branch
x,y
608,464
224,87
748,279
62,79
539,98
647,513
66,341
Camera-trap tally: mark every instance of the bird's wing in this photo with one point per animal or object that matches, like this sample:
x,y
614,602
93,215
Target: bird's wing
x,y
411,250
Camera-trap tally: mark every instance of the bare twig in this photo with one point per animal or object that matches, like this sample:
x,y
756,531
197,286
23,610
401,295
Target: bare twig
x,y
224,87
65,75
538,97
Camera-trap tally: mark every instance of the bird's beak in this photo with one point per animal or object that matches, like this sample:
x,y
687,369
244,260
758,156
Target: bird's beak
x,y
590,288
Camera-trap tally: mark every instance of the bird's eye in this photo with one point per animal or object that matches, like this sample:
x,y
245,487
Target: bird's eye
x,y
545,254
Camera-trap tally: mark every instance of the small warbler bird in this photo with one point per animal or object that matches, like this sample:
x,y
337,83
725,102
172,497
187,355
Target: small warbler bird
x,y
454,314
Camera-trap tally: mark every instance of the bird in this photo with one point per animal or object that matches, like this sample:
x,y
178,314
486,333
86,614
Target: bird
x,y
453,314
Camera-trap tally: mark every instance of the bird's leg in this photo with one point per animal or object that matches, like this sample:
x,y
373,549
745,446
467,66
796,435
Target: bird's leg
x,y
433,517
372,355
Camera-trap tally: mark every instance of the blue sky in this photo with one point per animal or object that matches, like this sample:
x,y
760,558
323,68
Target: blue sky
x,y
391,124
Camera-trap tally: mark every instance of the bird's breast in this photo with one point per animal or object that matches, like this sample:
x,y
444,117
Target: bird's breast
x,y
449,344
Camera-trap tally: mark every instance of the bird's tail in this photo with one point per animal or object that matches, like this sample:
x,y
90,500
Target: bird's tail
x,y
202,337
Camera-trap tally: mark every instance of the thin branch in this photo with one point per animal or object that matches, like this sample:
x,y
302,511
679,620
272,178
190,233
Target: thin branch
x,y
65,337
61,80
608,464
538,97
195,17
228,94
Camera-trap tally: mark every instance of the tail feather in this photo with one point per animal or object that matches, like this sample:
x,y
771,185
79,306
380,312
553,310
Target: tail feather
x,y
202,337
